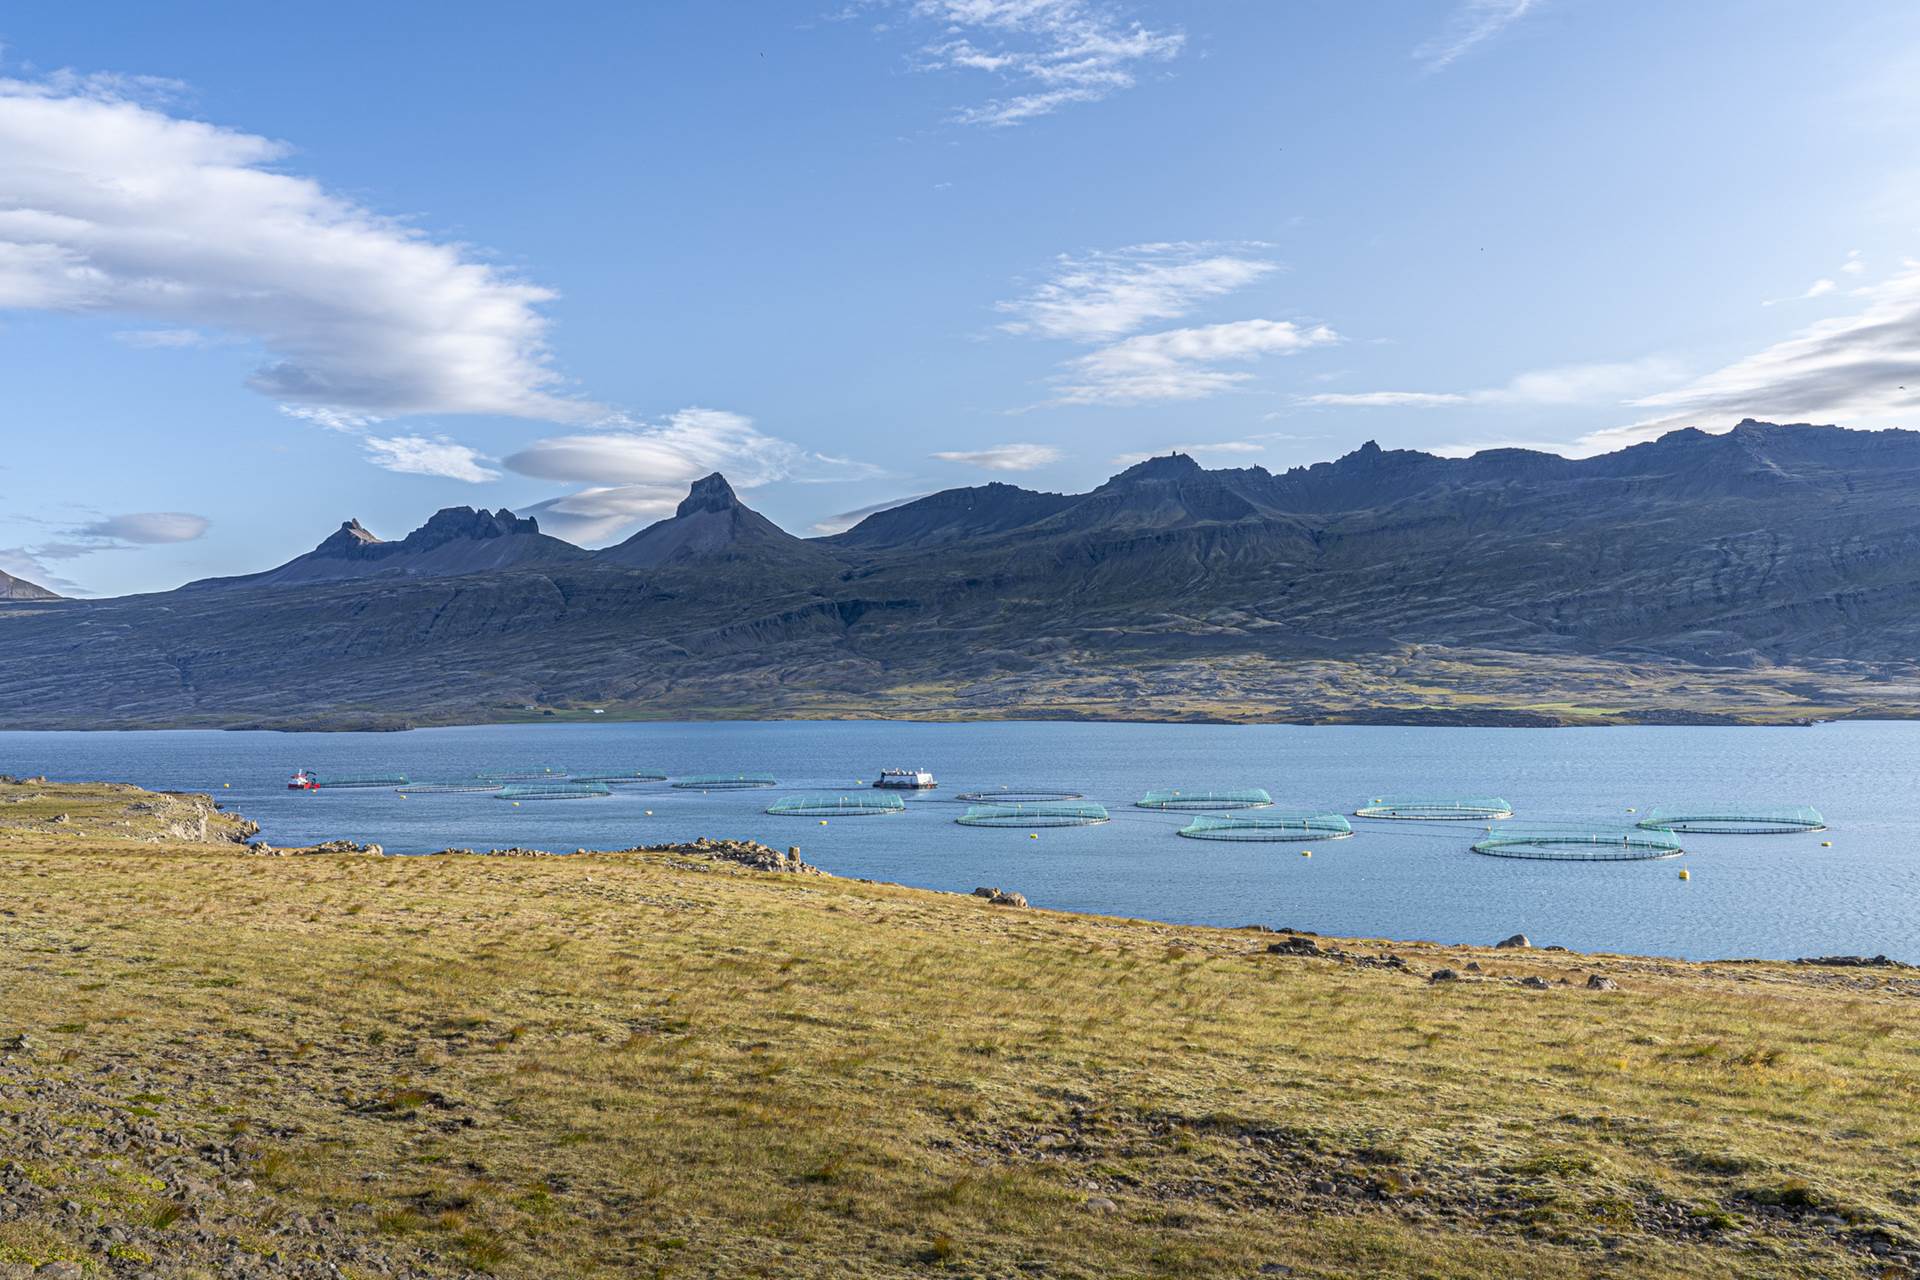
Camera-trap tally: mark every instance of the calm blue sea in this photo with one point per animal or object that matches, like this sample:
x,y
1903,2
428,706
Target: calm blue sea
x,y
1769,896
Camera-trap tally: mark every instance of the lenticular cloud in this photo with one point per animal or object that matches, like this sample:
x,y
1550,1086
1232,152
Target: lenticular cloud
x,y
112,205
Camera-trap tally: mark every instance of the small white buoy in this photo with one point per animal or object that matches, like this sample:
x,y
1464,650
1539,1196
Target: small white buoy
x,y
649,813
1630,809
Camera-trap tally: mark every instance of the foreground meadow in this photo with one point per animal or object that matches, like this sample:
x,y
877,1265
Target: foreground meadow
x,y
657,1064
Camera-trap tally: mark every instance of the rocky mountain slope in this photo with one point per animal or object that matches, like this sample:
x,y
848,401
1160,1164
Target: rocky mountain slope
x,y
12,588
1766,573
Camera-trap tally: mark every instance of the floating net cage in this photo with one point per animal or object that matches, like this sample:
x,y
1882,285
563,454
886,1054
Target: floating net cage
x,y
455,787
568,790
358,779
1579,844
1245,798
726,782
1436,808
1731,821
1056,813
1016,795
619,779
1276,827
530,774
835,804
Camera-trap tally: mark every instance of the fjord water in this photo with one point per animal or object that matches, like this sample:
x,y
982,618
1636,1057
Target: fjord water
x,y
1762,896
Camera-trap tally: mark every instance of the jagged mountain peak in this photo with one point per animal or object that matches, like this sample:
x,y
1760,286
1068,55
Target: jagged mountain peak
x,y
1171,466
709,493
12,588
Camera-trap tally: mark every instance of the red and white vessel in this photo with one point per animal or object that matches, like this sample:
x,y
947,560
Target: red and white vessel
x,y
302,781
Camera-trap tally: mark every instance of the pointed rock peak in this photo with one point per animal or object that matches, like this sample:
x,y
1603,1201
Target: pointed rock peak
x,y
1175,466
709,493
350,536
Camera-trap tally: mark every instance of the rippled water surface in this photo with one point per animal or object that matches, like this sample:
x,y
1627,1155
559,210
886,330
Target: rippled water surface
x,y
1748,895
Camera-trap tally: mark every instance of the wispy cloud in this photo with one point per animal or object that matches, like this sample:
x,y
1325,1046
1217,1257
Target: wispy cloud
x,y
1859,370
845,520
127,532
111,205
1006,457
635,471
1231,449
1048,54
1472,23
1572,384
147,527
429,456
1182,364
1102,295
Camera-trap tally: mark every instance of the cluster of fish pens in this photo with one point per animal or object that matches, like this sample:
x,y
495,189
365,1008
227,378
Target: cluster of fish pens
x,y
1242,814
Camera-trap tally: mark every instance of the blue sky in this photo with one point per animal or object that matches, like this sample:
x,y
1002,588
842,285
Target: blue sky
x,y
265,268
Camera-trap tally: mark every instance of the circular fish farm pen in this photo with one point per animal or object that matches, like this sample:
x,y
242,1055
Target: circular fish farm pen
x,y
1730,821
393,780
1017,795
834,804
1272,827
619,779
462,786
1436,808
1579,844
518,775
726,782
1245,798
552,791
1057,813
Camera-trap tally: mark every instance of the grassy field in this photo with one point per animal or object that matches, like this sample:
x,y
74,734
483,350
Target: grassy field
x,y
650,1064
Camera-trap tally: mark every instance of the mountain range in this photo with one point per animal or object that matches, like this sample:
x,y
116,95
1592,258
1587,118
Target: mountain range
x,y
1766,573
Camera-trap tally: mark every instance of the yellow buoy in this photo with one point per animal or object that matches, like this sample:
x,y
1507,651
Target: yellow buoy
x,y
823,822
1033,835
1306,853
1826,844
516,804
226,784
1685,874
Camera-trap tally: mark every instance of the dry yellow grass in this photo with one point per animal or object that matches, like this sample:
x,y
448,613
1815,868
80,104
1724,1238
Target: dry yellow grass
x,y
643,1065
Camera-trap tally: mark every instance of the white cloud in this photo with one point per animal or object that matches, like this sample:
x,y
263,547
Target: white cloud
x,y
1049,53
1854,264
1182,364
845,520
148,527
111,205
1818,289
162,338
638,470
1473,23
1099,296
1006,457
1573,384
428,456
332,419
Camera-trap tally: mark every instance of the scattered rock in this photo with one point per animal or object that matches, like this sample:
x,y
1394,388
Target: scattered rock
x,y
1294,945
1599,982
1518,941
1533,983
1001,897
1473,966
1444,975
1854,962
